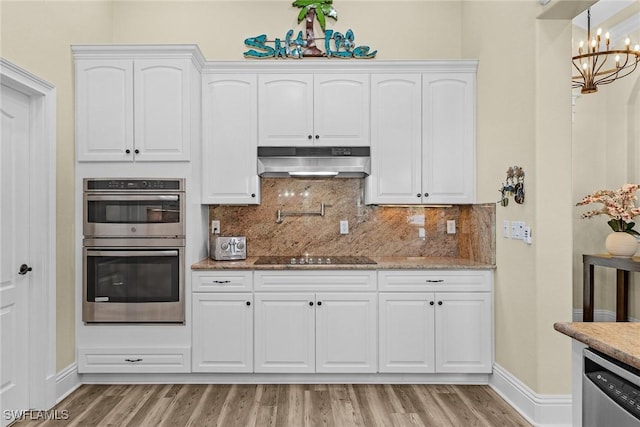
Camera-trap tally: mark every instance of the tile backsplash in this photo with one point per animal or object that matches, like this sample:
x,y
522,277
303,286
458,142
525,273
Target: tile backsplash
x,y
373,230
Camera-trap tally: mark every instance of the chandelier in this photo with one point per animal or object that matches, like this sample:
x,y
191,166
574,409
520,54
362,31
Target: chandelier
x,y
599,65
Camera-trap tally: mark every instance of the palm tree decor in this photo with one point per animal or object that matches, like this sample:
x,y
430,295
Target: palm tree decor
x,y
311,9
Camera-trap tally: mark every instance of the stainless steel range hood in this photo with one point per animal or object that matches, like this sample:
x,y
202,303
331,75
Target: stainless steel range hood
x,y
340,162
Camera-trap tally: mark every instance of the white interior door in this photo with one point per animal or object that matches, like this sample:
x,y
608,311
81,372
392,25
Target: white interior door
x,y
14,251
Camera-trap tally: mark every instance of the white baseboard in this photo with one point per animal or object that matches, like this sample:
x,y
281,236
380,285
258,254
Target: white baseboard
x,y
67,381
539,410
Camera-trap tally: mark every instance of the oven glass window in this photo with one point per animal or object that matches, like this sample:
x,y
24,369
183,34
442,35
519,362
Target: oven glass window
x,y
121,277
134,211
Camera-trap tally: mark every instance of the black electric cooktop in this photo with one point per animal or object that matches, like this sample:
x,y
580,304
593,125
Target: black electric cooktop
x,y
313,260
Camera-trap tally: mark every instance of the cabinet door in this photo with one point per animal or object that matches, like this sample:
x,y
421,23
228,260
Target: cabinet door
x,y
222,332
407,332
464,334
341,109
396,129
162,109
448,152
285,109
285,332
346,332
104,110
230,140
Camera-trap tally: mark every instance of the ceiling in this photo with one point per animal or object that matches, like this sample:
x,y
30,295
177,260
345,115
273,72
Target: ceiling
x,y
604,10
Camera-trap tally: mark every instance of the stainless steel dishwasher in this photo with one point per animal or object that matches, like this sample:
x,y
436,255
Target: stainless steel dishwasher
x,y
610,392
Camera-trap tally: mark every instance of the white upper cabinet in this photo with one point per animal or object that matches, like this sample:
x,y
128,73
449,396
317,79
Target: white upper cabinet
x,y
449,156
307,109
396,139
104,109
162,113
423,138
230,139
131,107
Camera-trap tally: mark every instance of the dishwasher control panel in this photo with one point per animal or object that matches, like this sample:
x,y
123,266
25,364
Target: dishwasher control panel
x,y
625,394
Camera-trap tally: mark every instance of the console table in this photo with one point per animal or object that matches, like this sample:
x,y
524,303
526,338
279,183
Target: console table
x,y
623,266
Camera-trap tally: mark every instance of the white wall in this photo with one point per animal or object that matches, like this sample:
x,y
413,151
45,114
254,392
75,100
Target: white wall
x,y
523,117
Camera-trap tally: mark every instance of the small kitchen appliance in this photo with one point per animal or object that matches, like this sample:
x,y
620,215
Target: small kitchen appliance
x,y
224,248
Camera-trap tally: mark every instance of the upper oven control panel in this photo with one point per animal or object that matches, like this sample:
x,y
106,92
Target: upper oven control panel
x,y
138,184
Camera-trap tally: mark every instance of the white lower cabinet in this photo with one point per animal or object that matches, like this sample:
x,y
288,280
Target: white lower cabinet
x,y
436,332
315,332
222,319
222,332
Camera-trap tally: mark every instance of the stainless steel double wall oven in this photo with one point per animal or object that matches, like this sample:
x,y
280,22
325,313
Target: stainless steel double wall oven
x,y
133,250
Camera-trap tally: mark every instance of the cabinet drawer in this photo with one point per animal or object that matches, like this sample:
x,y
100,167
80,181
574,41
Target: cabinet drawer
x,y
223,281
435,280
319,281
139,360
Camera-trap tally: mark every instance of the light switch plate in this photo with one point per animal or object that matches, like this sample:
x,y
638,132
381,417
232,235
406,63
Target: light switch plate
x,y
505,228
215,226
344,227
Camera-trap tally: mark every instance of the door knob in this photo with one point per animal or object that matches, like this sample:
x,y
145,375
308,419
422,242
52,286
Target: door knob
x,y
24,269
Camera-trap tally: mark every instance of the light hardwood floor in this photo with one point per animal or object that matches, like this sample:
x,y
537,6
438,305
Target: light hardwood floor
x,y
293,405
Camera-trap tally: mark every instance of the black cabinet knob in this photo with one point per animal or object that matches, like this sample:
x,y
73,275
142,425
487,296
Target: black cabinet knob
x,y
439,302
24,269
136,151
127,151
317,136
431,303
418,195
310,303
309,136
248,303
253,194
319,303
426,194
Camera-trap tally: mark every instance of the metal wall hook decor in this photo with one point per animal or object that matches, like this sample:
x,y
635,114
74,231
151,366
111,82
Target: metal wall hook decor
x,y
513,186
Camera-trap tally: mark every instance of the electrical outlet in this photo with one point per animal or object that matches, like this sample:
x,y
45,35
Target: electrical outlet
x,y
505,228
215,226
421,233
344,227
451,226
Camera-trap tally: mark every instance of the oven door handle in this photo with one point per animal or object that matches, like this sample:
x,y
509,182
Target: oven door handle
x,y
91,252
131,197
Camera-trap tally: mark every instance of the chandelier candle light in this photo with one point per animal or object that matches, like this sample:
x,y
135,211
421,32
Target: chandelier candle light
x,y
594,61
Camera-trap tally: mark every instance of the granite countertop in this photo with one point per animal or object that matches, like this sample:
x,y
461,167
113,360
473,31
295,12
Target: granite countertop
x,y
382,263
620,340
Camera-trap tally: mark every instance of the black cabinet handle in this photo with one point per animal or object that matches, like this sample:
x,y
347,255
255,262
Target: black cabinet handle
x,y
431,303
127,151
248,303
222,281
310,303
24,269
435,281
439,302
133,360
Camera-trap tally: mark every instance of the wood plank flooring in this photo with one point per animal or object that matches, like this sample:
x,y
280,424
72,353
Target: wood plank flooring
x,y
294,405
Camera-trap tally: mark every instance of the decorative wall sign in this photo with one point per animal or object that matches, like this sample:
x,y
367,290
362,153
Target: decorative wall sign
x,y
336,45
